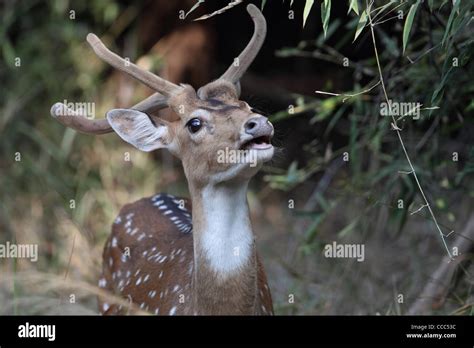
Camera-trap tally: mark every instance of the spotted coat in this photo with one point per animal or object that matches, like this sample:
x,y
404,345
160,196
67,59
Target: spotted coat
x,y
148,259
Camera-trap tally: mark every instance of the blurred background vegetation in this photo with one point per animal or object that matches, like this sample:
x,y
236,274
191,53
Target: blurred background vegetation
x,y
62,189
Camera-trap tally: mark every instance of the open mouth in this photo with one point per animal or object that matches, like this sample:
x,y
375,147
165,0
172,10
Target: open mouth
x,y
258,143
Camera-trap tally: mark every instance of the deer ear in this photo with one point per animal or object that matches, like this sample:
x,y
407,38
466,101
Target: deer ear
x,y
136,128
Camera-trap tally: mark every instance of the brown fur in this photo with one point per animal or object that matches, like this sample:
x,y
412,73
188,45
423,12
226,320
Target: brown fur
x,y
225,298
223,128
170,286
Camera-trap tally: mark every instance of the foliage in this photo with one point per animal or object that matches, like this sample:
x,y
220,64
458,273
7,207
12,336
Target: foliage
x,y
425,55
424,68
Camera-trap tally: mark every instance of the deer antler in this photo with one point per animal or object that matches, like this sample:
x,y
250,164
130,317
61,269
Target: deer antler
x,y
151,80
78,121
157,101
165,89
234,72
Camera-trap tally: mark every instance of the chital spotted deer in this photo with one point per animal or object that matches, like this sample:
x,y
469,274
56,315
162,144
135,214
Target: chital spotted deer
x,y
184,259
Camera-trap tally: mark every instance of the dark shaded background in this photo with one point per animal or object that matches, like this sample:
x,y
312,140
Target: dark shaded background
x,y
347,202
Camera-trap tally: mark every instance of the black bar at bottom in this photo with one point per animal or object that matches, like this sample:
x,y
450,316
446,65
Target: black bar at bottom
x,y
414,330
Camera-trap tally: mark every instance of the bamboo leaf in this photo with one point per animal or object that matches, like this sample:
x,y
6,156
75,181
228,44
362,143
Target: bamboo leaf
x,y
450,20
325,14
354,6
379,11
342,233
307,8
408,24
431,5
361,24
437,93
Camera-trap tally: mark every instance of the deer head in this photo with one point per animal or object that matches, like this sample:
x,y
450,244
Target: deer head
x,y
210,124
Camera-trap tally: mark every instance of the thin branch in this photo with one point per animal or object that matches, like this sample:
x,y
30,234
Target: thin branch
x,y
386,20
222,10
386,14
397,129
347,96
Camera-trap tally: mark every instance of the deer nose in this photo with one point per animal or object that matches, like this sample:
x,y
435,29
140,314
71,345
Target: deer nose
x,y
258,125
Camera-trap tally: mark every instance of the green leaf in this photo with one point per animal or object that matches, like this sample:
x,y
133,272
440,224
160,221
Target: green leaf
x,y
325,14
307,8
408,24
342,233
450,20
435,98
263,4
354,6
312,230
324,36
361,24
378,11
431,5
8,53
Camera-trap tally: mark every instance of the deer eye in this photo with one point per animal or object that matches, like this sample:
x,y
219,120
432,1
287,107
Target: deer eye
x,y
194,125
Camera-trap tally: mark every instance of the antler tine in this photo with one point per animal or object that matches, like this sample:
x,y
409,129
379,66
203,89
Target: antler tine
x,y
234,73
151,80
80,122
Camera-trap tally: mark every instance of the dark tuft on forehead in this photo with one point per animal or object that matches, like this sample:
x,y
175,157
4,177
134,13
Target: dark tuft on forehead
x,y
218,105
215,102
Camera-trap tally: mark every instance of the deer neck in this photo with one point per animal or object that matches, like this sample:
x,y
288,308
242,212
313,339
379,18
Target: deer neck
x,y
225,269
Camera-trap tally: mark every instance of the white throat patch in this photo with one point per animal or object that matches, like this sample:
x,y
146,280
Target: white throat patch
x,y
228,238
